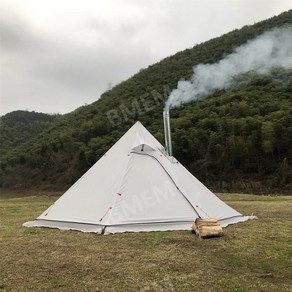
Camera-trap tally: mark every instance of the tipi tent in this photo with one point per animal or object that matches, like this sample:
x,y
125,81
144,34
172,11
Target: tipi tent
x,y
136,187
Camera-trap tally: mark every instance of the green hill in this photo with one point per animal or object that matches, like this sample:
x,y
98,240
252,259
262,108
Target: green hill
x,y
236,140
19,127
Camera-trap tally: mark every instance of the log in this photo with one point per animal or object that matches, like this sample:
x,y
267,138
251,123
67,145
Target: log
x,y
208,227
210,231
209,220
206,222
194,227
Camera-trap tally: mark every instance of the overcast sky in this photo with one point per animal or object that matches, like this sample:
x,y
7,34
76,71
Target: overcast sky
x,y
57,55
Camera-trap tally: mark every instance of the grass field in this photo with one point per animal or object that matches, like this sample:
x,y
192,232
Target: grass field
x,y
252,256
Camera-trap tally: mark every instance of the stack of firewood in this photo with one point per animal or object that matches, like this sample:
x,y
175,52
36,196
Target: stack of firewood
x,y
208,227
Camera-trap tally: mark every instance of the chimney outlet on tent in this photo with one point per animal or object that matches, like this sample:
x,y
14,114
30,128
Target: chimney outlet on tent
x,y
167,133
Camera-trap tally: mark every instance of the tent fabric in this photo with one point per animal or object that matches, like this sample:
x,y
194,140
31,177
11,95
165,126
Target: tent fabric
x,y
135,187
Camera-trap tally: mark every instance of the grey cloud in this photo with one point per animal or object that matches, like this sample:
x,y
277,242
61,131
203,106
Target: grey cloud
x,y
49,67
16,33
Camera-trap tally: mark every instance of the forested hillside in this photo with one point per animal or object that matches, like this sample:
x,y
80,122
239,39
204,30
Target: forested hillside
x,y
236,140
19,127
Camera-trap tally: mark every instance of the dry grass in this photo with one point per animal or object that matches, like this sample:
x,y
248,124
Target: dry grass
x,y
252,256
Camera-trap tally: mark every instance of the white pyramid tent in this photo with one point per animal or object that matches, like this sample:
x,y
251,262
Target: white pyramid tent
x,y
136,187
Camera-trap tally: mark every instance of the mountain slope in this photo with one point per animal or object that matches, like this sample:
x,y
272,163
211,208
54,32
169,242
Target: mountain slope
x,y
19,127
235,140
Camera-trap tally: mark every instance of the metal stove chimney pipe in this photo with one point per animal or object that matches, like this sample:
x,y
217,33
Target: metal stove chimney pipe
x,y
167,133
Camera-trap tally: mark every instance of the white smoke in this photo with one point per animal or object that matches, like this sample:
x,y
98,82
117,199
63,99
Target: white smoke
x,y
270,49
